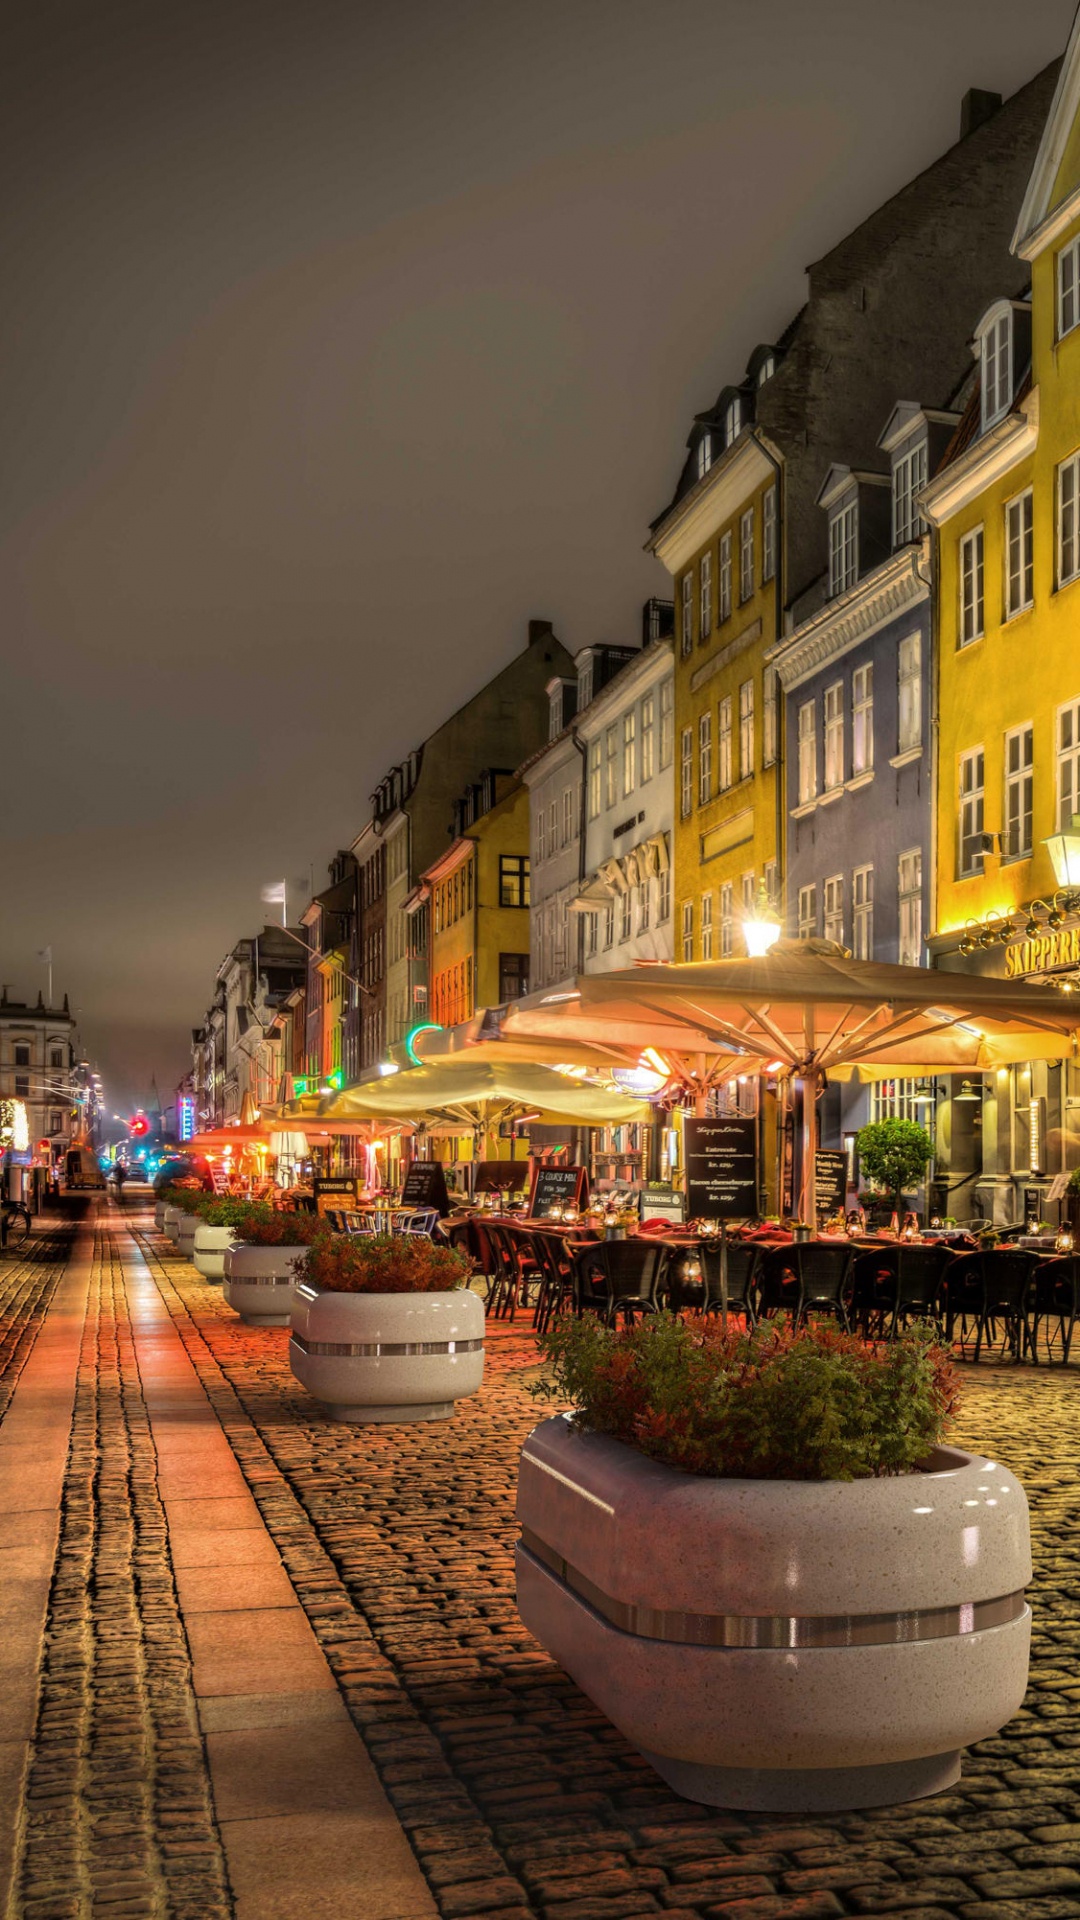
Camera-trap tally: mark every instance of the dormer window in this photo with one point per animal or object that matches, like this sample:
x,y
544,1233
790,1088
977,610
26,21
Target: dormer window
x,y
733,419
584,684
908,477
844,546
704,455
995,353
766,369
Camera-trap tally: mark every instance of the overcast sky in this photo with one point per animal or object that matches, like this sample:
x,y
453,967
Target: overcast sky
x,y
338,341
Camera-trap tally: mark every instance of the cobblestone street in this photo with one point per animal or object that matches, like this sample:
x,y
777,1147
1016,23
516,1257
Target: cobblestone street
x,y
173,1751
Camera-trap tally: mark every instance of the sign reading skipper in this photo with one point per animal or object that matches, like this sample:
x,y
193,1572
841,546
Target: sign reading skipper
x,y
1044,953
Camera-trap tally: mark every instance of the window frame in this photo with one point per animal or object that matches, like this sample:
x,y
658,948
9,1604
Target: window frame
x,y
516,868
705,619
995,367
862,912
666,743
832,908
1019,787
704,779
686,773
909,692
648,738
596,777
768,534
725,769
909,898
706,926
971,574
727,920
746,730
1066,762
806,912
971,812
724,578
806,762
833,734
1069,253
686,614
746,556
629,751
862,719
909,471
1068,472
1019,543
844,545
687,947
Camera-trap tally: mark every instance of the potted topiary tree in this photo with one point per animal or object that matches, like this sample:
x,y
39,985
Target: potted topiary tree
x,y
261,1262
757,1555
895,1154
384,1327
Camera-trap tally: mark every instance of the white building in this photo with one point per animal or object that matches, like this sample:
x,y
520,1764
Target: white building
x,y
36,1062
628,732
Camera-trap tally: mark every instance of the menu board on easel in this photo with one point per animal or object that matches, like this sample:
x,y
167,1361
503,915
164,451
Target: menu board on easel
x,y
501,1176
557,1187
721,1168
830,1181
425,1186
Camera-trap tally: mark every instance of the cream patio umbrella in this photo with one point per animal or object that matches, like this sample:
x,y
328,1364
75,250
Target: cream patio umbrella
x,y
806,1009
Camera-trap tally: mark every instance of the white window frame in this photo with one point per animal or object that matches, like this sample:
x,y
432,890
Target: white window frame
x,y
995,364
705,597
971,812
686,773
611,766
706,926
832,921
908,478
746,556
727,920
844,546
626,916
862,912
768,534
834,736
862,719
1019,772
644,905
733,420
648,737
1068,288
807,913
1068,520
770,876
663,897
723,601
1067,779
629,751
909,906
596,777
972,582
909,692
667,723
748,889
541,854
725,772
746,730
770,717
686,613
553,827
704,455
704,758
687,930
807,738
609,925
567,816
592,933
1019,553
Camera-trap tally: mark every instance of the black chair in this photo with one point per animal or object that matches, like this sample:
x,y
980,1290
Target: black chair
x,y
807,1278
555,1264
686,1295
1054,1296
619,1277
992,1288
895,1285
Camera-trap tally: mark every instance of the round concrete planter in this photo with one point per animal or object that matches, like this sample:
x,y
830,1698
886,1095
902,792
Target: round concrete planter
x,y
387,1356
159,1215
208,1250
170,1223
185,1238
258,1282
786,1645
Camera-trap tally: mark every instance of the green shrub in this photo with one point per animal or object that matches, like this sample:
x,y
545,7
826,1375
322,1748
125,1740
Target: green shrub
x,y
264,1226
776,1403
895,1154
384,1263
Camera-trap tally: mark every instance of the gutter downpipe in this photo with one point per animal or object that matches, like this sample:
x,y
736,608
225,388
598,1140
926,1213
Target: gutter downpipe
x,y
779,766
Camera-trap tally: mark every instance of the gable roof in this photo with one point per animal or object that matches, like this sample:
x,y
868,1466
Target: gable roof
x,y
1060,120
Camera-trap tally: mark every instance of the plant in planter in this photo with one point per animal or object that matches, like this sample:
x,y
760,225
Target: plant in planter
x,y
895,1154
384,1327
219,1217
756,1554
260,1264
180,1204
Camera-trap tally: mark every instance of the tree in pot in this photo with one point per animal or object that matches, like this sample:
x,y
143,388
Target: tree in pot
x,y
895,1154
753,1551
384,1327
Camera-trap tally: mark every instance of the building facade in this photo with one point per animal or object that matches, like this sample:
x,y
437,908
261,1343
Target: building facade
x,y
477,904
628,736
37,1071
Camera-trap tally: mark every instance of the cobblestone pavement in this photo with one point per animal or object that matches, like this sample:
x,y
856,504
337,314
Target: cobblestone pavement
x,y
118,1817
519,1798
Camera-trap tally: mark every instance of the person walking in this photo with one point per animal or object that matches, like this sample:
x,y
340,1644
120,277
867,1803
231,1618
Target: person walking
x,y
119,1176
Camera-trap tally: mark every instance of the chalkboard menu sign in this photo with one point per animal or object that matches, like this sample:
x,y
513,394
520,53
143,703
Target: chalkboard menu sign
x,y
425,1186
721,1169
830,1181
661,1203
501,1176
557,1187
338,1187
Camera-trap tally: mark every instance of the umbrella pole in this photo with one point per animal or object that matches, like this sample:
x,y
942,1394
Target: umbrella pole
x,y
811,1084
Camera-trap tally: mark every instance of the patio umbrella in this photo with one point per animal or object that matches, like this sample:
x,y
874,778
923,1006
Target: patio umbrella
x,y
807,1009
461,1087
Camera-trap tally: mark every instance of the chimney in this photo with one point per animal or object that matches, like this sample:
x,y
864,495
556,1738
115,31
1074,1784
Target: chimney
x,y
540,630
977,106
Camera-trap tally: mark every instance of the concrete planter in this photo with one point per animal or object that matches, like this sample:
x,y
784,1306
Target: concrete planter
x,y
258,1282
170,1223
387,1356
208,1250
185,1238
796,1646
159,1215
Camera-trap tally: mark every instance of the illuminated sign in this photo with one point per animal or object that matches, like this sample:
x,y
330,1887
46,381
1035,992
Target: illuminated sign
x,y
336,1079
1044,953
299,1085
423,1026
185,1108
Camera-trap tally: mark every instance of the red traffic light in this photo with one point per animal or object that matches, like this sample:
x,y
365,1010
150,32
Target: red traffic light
x,y
139,1127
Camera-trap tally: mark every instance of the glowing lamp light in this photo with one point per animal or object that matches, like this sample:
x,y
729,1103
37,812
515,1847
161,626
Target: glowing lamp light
x,y
643,1080
386,1068
139,1126
1064,851
761,929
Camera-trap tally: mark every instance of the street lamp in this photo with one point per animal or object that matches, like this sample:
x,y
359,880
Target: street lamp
x,y
761,928
1064,851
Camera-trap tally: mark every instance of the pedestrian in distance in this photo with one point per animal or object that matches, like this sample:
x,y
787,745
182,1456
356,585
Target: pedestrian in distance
x,y
119,1176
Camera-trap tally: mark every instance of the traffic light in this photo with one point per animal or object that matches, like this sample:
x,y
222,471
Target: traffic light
x,y
139,1126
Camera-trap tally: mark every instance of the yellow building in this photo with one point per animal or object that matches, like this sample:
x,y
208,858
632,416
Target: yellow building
x,y
1006,511
476,902
720,543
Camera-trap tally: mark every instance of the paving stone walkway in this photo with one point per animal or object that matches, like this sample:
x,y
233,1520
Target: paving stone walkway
x,y
520,1800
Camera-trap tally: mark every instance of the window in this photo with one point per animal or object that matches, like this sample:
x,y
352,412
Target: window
x,y
626,910
648,708
909,691
834,736
704,455
592,933
705,598
541,854
724,603
667,723
688,930
1068,769
834,908
971,812
862,913
56,1057
553,827
996,369
768,534
746,729
22,1056
770,732
766,369
706,926
807,913
725,773
1019,588
862,719
909,475
807,753
1019,756
567,832
584,684
55,1122
609,924
22,1086
1068,288
686,772
686,614
771,879
909,894
513,880
1068,496
611,766
644,906
513,976
727,920
555,713
748,890
705,759
746,554
732,420
971,586
629,751
663,897
594,779
843,548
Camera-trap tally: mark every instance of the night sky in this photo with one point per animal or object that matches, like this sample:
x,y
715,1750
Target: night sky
x,y
336,342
